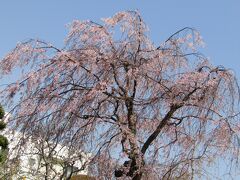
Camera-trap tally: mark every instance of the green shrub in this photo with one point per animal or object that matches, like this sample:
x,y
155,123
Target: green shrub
x,y
2,112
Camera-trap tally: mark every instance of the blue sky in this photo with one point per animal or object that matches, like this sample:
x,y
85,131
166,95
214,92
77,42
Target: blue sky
x,y
218,21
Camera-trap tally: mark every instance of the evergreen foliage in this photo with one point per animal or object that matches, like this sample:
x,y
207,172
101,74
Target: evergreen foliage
x,y
3,139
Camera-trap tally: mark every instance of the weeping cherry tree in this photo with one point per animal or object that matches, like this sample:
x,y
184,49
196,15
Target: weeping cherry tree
x,y
142,111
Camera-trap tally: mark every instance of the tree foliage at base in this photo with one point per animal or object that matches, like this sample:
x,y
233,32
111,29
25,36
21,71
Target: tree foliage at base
x,y
3,139
142,111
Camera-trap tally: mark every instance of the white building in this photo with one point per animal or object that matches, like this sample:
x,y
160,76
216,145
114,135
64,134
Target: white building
x,y
29,158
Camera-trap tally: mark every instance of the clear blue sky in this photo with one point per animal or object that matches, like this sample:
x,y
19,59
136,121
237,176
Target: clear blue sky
x,y
217,20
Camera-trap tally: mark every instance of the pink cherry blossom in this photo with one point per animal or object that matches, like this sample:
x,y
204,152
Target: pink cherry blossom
x,y
142,111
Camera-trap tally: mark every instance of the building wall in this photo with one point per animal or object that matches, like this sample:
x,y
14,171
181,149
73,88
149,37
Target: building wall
x,y
31,165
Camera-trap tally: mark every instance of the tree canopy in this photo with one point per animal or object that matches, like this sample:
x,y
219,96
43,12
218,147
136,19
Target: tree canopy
x,y
143,111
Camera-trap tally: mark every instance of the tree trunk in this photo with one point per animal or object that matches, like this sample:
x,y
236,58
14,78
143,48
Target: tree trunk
x,y
138,176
